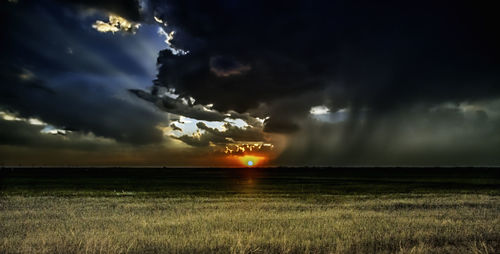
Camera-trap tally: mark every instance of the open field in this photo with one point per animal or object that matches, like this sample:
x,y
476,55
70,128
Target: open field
x,y
250,211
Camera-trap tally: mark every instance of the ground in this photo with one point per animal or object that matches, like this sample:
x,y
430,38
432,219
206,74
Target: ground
x,y
251,210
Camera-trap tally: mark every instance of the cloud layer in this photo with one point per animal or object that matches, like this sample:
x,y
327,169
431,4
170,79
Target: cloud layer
x,y
398,83
72,77
363,54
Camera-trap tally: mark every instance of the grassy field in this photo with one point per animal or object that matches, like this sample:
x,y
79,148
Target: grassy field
x,y
250,211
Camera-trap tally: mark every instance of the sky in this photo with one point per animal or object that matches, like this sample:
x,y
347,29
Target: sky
x,y
224,83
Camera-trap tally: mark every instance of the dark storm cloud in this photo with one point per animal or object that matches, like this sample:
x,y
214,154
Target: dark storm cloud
x,y
176,106
365,54
186,108
175,127
277,126
235,133
83,106
444,135
83,89
24,79
230,135
22,143
225,67
247,117
390,66
23,134
129,9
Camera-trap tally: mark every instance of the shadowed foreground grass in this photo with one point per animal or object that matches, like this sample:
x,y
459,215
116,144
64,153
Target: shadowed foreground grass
x,y
250,218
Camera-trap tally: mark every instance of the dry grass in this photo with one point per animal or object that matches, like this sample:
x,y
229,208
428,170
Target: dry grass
x,y
251,223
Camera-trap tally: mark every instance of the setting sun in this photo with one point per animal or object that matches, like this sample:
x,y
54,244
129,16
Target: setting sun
x,y
251,160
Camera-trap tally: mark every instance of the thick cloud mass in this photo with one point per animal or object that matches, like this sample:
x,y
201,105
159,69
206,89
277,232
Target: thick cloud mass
x,y
70,76
228,136
449,135
83,106
390,67
365,54
401,83
129,9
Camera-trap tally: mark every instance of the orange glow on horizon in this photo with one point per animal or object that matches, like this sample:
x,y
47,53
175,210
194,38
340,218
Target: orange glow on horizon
x,y
252,160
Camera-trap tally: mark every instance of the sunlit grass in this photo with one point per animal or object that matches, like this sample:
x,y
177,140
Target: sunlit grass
x,y
251,223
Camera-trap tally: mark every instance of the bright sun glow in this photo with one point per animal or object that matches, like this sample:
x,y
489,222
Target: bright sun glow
x,y
251,160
